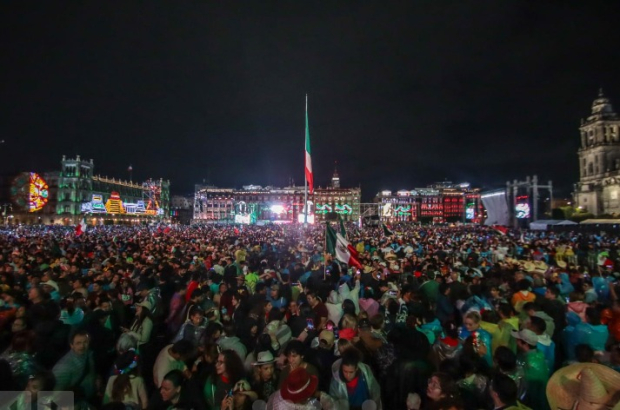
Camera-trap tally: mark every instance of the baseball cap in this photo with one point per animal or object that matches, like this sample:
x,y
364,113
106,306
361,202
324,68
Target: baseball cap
x,y
526,335
327,337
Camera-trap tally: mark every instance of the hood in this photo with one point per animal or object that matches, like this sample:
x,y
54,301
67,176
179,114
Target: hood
x,y
333,298
336,369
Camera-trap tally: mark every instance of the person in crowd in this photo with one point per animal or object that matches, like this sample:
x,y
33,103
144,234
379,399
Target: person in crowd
x,y
535,370
76,370
172,357
353,381
227,372
194,327
481,338
504,393
265,379
171,393
142,325
126,385
295,353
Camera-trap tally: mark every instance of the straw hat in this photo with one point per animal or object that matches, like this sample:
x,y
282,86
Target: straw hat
x,y
562,264
529,267
588,386
540,265
511,261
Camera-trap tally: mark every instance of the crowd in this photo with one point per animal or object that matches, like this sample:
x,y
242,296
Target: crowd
x,y
222,317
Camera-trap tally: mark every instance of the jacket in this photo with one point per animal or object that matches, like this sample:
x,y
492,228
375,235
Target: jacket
x,y
536,375
484,337
338,388
547,347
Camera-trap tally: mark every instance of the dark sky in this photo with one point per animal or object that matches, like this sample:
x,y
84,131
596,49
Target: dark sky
x,y
400,95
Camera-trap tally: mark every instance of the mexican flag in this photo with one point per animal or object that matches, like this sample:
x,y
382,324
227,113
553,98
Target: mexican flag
x,y
386,231
502,230
338,246
309,175
343,230
80,228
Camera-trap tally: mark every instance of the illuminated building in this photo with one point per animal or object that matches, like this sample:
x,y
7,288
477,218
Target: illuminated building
x,y
107,200
256,204
443,202
598,189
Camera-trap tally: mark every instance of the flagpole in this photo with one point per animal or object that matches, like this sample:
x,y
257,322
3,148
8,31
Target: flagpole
x,y
305,176
325,253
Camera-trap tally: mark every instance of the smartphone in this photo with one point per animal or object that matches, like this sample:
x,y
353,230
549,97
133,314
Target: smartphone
x,y
295,284
392,293
230,393
330,326
336,333
310,324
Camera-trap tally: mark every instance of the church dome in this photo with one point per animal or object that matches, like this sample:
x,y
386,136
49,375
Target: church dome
x,y
602,105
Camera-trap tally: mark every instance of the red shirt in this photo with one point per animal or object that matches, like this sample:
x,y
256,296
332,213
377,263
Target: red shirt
x,y
320,310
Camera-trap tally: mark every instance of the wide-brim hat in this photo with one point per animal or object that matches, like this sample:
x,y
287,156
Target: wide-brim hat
x,y
50,283
540,265
529,267
299,385
562,264
265,357
590,385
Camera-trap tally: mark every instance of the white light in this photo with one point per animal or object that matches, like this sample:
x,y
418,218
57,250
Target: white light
x,y
277,209
493,194
300,218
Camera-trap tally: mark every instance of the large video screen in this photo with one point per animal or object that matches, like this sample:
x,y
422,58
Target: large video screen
x,y
496,205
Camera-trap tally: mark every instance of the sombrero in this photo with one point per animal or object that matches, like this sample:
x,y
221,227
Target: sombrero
x,y
511,261
561,264
529,266
588,386
540,265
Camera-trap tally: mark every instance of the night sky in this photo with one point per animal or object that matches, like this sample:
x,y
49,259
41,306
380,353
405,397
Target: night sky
x,y
401,95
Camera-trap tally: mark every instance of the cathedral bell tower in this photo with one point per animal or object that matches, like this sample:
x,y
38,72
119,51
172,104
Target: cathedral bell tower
x,y
598,188
335,177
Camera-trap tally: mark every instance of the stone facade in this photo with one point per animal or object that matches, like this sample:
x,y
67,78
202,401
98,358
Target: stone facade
x,y
598,189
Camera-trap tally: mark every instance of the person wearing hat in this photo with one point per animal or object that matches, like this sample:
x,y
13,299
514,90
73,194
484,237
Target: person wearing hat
x,y
51,288
142,325
584,386
298,392
325,358
265,377
535,369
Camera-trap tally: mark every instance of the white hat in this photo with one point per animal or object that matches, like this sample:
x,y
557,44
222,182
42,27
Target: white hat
x,y
51,283
526,335
264,358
